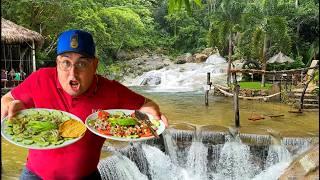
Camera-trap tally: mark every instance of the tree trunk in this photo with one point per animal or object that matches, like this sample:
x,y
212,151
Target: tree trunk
x,y
229,59
264,61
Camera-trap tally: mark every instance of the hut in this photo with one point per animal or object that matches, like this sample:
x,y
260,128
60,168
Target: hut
x,y
18,45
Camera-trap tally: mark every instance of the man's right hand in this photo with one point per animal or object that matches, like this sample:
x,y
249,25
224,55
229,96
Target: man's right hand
x,y
10,106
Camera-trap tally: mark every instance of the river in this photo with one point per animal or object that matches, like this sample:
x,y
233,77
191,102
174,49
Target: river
x,y
189,107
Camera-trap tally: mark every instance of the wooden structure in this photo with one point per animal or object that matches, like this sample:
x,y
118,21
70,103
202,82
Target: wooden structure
x,y
18,46
236,89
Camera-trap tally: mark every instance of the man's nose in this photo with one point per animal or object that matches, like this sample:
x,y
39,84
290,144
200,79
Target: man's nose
x,y
73,70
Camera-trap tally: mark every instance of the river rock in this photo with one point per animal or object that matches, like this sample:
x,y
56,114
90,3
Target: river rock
x,y
305,166
151,81
200,57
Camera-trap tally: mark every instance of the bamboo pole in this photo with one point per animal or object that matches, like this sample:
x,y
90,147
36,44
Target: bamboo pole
x,y
258,71
207,89
34,68
236,100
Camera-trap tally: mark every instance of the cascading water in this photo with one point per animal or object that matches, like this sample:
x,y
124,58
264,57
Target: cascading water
x,y
184,77
235,161
197,157
198,160
276,154
170,147
119,167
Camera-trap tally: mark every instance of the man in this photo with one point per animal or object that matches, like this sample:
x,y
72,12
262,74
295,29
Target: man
x,y
72,86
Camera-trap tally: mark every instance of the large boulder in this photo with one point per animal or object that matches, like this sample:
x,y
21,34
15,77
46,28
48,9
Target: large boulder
x,y
199,58
305,166
151,81
209,51
184,58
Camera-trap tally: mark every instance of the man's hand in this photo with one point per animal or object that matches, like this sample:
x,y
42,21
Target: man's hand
x,y
9,106
153,109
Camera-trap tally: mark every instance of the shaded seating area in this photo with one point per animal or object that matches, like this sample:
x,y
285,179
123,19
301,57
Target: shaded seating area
x,y
18,56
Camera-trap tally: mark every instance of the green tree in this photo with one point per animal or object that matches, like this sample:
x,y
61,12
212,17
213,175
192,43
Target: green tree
x,y
225,27
268,28
125,27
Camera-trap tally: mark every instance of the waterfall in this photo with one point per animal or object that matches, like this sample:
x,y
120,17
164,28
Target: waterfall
x,y
118,167
276,154
160,165
197,160
235,161
197,157
170,147
182,77
135,153
191,155
273,172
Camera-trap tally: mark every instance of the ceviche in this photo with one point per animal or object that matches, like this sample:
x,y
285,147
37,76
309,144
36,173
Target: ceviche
x,y
41,128
123,125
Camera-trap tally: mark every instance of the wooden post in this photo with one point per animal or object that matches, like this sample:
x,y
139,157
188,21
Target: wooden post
x,y
280,89
207,89
236,100
33,50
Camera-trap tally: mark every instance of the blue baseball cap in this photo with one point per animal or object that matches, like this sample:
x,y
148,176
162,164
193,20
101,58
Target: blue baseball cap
x,y
76,41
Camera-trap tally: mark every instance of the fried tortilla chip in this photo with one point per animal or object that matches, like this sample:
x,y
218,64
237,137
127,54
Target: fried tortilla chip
x,y
72,129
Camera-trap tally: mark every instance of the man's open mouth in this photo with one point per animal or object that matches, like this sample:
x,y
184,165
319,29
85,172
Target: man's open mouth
x,y
74,85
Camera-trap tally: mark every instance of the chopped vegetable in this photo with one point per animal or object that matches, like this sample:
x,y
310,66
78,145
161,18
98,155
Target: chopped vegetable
x,y
121,125
38,128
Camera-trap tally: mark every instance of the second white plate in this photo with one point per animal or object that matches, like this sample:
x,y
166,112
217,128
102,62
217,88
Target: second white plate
x,y
160,129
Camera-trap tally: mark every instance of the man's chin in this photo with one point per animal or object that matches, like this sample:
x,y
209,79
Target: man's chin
x,y
72,92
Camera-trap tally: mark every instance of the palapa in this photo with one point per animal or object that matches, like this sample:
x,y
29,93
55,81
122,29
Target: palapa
x,y
12,33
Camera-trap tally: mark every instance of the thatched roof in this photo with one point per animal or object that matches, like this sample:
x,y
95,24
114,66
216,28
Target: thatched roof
x,y
12,33
280,58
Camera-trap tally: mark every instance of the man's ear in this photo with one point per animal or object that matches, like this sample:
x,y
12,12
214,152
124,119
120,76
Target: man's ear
x,y
95,63
57,59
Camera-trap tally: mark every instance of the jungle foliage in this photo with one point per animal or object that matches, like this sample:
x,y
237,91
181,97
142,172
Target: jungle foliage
x,y
252,29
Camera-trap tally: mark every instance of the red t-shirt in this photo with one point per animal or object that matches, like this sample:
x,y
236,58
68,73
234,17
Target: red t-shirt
x,y
43,90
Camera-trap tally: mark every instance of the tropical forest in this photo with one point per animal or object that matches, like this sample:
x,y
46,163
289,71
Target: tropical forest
x,y
236,82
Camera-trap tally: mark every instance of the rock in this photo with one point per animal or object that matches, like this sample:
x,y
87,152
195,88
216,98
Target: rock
x,y
209,51
189,58
151,80
184,58
180,61
305,166
200,57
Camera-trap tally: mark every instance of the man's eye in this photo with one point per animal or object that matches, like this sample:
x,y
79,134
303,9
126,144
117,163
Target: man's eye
x,y
81,64
66,63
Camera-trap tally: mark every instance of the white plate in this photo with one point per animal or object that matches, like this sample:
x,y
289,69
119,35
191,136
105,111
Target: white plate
x,y
44,111
160,129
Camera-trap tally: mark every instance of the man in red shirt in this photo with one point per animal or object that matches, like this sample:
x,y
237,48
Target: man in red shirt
x,y
72,86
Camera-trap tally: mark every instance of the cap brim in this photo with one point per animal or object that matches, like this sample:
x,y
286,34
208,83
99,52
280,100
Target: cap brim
x,y
74,51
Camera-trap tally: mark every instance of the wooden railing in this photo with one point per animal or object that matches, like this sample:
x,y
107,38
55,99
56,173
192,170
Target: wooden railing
x,y
8,84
